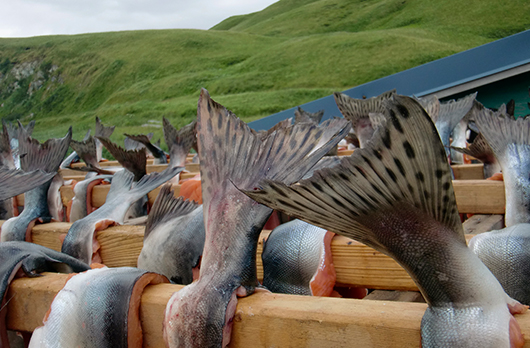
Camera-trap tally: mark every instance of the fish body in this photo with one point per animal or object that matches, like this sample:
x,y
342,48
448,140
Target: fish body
x,y
174,238
293,255
46,157
506,253
29,259
396,196
80,239
81,203
55,203
201,314
97,309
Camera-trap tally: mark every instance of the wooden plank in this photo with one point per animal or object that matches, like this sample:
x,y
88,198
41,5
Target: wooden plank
x,y
81,177
355,263
191,167
345,152
479,196
468,171
483,223
261,320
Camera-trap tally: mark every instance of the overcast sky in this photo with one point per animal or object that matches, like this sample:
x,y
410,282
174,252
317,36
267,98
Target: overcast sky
x,y
23,18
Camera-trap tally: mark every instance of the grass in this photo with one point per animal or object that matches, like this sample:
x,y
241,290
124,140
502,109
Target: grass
x,y
290,53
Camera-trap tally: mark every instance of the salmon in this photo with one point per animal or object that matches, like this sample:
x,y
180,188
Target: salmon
x,y
80,240
46,157
179,142
87,151
158,153
173,238
22,258
135,145
8,206
201,314
98,308
302,116
357,112
506,252
55,203
81,204
459,135
296,260
14,134
481,150
396,196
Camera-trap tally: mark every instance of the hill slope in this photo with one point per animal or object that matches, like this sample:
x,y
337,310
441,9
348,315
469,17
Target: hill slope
x,y
290,53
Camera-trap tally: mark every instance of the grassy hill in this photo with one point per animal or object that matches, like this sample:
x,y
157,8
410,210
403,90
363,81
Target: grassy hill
x,y
290,53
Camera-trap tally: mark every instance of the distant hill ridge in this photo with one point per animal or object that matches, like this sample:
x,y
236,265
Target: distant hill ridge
x,y
290,53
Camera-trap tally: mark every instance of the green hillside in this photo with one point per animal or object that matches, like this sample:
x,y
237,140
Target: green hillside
x,y
290,53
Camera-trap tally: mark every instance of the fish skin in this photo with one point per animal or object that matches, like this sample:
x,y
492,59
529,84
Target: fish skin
x,y
510,141
173,238
14,134
31,259
55,203
78,241
179,142
357,112
46,157
79,207
94,310
7,206
158,153
291,257
15,182
263,134
396,196
506,253
200,315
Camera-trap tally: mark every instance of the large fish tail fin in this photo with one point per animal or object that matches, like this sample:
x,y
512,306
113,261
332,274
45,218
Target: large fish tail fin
x,y
480,149
230,152
179,142
403,169
167,207
14,182
121,183
431,104
6,158
263,134
143,139
86,149
46,156
453,111
134,161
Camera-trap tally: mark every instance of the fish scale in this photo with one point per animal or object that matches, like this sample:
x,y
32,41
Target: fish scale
x,y
396,196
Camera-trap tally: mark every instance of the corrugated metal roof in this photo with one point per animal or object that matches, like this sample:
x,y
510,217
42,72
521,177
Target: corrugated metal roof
x,y
474,64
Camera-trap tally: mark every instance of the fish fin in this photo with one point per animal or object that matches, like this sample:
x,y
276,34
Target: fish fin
x,y
103,131
29,128
14,182
146,141
87,135
377,119
453,111
431,104
480,149
404,167
121,182
179,142
501,130
230,152
6,158
86,149
354,109
324,162
134,161
46,156
301,116
151,181
167,207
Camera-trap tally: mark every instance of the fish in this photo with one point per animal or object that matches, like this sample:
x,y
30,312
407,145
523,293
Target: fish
x,y
101,131
80,240
510,141
131,144
481,150
201,314
14,133
55,202
73,157
158,153
357,112
301,116
135,161
22,258
14,182
263,134
87,151
450,114
173,238
396,196
179,142
297,260
8,207
46,157
459,136
95,309
81,204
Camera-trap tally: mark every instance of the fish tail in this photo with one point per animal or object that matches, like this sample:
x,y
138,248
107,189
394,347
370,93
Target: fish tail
x,y
179,142
46,156
302,116
6,158
134,161
86,149
103,131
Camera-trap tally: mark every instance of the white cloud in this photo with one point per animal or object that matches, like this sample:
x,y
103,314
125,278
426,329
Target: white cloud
x,y
23,18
